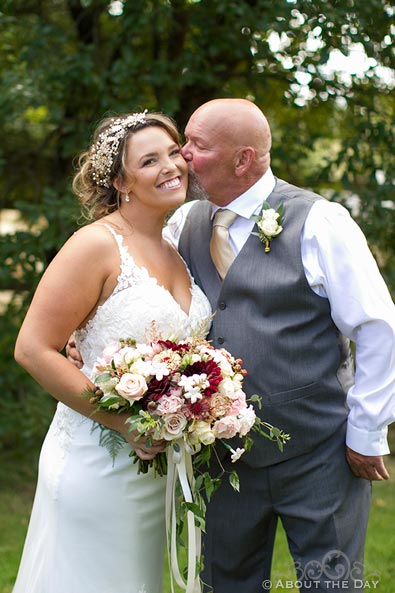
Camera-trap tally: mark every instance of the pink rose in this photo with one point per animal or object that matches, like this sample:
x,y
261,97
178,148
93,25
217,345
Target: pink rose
x,y
169,404
109,351
227,427
131,387
238,402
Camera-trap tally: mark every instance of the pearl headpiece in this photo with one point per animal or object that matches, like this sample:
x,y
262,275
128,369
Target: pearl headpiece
x,y
106,147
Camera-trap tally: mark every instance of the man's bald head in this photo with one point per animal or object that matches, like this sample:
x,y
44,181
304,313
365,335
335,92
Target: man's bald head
x,y
240,121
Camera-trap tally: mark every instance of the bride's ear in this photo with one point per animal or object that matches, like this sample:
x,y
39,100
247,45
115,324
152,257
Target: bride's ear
x,y
118,185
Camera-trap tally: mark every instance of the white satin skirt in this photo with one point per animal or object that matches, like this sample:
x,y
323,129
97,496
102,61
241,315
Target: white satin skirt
x,y
96,525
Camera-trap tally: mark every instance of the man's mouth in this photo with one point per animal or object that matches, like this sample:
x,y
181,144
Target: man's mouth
x,y
171,183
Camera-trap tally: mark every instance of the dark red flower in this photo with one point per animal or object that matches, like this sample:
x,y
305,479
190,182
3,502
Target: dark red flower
x,y
156,389
211,369
199,410
169,345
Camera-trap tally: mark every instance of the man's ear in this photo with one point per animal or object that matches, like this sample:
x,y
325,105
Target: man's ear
x,y
244,158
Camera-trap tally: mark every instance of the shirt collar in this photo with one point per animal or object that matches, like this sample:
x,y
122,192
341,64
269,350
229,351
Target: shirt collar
x,y
251,200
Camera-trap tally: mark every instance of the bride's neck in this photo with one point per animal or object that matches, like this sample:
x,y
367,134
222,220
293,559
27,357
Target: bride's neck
x,y
149,226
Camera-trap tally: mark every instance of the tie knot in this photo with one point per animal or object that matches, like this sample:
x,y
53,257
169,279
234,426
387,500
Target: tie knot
x,y
224,218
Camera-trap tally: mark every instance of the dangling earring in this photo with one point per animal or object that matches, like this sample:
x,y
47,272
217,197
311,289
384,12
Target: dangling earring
x,y
127,199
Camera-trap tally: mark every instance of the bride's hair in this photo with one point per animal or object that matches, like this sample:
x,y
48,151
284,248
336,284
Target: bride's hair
x,y
106,159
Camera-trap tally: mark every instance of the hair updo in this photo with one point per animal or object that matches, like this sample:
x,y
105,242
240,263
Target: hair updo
x,y
98,166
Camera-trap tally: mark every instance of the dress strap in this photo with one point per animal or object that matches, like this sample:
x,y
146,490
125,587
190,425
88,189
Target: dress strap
x,y
127,262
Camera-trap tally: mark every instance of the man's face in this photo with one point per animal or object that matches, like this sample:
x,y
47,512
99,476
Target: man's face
x,y
209,155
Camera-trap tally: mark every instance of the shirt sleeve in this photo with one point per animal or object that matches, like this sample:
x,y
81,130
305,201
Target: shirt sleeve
x,y
340,267
173,229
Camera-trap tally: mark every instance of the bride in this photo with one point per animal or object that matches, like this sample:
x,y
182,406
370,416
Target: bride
x,y
96,525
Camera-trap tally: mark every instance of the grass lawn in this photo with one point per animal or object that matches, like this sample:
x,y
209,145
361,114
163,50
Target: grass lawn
x,y
17,484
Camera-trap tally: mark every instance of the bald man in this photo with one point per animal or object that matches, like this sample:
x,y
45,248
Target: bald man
x,y
287,314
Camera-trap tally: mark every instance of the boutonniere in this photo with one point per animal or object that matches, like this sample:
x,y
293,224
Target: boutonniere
x,y
269,224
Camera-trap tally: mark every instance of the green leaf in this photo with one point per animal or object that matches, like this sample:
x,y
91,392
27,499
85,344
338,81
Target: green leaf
x,y
234,481
256,399
103,378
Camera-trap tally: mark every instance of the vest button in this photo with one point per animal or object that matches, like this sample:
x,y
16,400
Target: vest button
x,y
220,340
222,305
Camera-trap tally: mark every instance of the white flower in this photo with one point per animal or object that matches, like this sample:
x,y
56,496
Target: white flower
x,y
269,227
200,432
125,357
227,387
269,224
247,419
193,386
236,454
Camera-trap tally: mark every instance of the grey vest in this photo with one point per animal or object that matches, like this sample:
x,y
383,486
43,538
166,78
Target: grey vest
x,y
267,315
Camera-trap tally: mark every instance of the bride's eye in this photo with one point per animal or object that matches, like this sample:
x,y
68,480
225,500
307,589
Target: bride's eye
x,y
149,161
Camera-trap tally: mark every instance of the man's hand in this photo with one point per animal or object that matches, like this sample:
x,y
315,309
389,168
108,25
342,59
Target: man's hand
x,y
73,354
365,466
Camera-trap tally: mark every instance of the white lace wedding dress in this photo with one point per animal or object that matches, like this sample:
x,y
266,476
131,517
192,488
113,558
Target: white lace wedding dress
x,y
98,526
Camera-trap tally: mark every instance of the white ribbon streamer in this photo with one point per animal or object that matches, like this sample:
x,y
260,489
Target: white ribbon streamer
x,y
179,469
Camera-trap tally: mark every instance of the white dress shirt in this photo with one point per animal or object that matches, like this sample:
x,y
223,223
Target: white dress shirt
x,y
340,267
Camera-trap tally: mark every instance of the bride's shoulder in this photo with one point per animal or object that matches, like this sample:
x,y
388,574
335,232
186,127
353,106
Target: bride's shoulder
x,y
94,234
91,243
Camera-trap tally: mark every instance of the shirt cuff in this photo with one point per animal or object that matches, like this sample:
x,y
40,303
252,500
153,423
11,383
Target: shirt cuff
x,y
365,442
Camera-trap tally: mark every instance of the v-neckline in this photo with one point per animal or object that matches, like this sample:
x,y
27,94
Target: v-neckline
x,y
144,269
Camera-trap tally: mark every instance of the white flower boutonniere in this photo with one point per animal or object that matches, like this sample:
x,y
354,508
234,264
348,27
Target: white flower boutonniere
x,y
269,224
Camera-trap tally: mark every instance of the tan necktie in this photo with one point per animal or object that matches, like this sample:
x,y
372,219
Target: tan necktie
x,y
221,251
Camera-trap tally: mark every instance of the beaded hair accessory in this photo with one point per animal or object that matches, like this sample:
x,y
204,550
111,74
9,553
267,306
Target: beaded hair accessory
x,y
106,147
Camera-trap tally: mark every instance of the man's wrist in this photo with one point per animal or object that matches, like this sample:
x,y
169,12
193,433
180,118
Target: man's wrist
x,y
367,442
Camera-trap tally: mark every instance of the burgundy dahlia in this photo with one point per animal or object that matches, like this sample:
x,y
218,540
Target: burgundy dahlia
x,y
156,389
211,369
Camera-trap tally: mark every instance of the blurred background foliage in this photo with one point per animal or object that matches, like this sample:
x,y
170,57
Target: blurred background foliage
x,y
66,63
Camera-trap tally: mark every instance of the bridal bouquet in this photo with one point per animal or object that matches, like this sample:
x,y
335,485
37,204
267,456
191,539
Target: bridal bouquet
x,y
188,394
184,390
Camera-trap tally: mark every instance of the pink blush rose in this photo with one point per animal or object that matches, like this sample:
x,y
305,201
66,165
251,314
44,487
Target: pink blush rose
x,y
109,351
226,427
131,386
238,402
169,404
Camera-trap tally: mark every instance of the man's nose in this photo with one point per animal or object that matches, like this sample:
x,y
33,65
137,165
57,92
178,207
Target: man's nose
x,y
186,152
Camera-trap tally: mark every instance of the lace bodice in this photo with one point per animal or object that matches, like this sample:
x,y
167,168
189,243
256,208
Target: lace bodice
x,y
136,303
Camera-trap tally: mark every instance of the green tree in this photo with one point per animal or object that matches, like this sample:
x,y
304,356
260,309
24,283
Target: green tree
x,y
66,63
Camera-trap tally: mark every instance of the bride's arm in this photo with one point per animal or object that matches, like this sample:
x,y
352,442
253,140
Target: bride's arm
x,y
80,277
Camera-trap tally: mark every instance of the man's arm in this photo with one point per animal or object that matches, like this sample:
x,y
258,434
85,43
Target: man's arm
x,y
339,266
73,355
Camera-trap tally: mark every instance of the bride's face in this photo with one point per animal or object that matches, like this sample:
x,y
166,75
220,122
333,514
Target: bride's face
x,y
157,174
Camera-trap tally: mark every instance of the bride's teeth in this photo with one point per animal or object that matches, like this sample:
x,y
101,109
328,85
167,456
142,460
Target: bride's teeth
x,y
170,184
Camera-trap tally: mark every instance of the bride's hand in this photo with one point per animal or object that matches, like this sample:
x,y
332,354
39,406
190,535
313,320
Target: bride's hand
x,y
145,448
